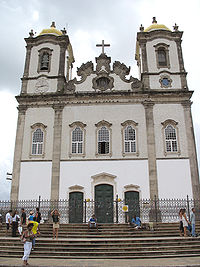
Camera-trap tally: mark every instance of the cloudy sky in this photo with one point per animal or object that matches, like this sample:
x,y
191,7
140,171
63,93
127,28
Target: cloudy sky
x,y
87,23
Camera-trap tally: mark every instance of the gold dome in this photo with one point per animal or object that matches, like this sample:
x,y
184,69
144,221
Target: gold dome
x,y
52,30
156,26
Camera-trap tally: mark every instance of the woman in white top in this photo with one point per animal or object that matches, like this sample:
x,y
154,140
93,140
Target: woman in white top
x,y
185,221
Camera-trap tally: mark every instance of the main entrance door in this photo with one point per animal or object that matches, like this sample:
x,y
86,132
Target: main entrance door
x,y
75,207
132,200
104,203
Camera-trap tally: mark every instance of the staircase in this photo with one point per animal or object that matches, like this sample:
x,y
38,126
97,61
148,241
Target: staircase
x,y
112,241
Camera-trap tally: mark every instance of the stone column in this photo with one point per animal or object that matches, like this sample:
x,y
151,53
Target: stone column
x,y
18,153
181,65
55,174
191,150
153,181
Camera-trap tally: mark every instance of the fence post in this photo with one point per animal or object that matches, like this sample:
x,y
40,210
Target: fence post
x,y
85,211
156,209
39,202
188,207
117,219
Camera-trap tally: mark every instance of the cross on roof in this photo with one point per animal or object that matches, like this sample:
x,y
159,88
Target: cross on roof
x,y
102,45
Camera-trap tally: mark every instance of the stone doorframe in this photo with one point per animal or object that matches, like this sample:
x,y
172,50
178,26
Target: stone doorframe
x,y
76,188
103,178
131,187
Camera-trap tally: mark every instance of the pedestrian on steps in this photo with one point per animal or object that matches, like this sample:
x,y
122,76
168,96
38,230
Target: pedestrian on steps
x,y
27,238
192,219
181,229
185,221
55,216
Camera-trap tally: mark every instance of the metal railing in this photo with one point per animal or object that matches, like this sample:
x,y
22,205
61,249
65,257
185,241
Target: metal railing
x,y
117,211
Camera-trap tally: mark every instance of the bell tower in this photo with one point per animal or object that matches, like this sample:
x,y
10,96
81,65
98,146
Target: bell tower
x,y
49,59
159,57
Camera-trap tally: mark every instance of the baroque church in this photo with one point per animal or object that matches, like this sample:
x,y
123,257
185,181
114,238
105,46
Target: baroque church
x,y
105,134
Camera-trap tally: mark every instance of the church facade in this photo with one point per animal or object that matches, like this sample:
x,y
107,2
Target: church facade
x,y
105,135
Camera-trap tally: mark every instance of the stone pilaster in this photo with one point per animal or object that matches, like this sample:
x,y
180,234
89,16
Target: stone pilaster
x,y
18,153
153,181
61,71
26,69
55,174
181,65
191,150
144,74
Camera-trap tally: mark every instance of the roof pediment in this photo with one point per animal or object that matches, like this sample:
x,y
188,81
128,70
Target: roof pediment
x,y
103,78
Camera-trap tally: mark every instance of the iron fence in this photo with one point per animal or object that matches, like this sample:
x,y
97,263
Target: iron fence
x,y
117,211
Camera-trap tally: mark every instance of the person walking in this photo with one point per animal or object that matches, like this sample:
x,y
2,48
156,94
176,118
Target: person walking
x,y
35,231
27,237
23,218
55,216
37,217
192,219
15,220
185,221
181,229
8,220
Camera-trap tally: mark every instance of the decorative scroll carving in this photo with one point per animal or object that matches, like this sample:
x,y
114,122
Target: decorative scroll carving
x,y
85,69
121,69
136,84
70,86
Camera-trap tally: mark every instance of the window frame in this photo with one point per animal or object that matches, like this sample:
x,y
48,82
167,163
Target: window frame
x,y
165,47
108,125
73,126
174,125
134,125
40,54
34,127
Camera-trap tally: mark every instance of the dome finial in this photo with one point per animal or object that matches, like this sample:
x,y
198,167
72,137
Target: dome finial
x,y
154,20
53,24
175,27
141,28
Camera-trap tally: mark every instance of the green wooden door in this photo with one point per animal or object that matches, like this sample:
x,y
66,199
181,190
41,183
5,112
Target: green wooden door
x,y
104,203
75,207
132,200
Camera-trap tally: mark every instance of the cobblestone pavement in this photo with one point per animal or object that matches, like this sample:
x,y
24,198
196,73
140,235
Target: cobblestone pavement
x,y
187,261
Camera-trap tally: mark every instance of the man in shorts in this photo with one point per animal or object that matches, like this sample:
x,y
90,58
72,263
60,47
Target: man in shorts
x,y
55,216
8,220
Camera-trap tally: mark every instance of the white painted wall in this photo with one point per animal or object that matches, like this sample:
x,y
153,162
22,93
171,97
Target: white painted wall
x,y
173,55
35,180
55,57
174,112
113,113
155,84
38,115
127,172
86,86
174,178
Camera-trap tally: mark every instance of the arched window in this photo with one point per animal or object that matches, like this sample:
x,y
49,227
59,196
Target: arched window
x,y
162,59
77,141
44,64
162,55
37,142
170,139
103,140
129,139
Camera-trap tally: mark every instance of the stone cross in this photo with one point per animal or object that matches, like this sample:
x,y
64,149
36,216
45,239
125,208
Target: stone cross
x,y
102,45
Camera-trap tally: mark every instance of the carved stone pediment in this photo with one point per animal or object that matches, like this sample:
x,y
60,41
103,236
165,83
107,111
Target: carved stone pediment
x,y
70,86
103,63
76,187
103,82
